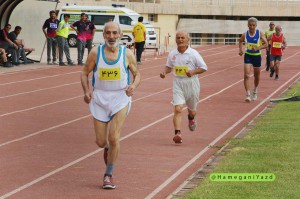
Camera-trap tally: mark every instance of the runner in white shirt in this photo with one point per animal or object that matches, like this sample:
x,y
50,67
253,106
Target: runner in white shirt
x,y
186,63
111,96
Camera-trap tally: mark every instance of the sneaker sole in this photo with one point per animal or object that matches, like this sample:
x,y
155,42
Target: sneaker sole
x,y
109,186
247,100
177,139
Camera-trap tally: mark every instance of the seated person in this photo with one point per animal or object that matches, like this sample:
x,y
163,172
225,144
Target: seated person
x,y
7,44
3,58
13,36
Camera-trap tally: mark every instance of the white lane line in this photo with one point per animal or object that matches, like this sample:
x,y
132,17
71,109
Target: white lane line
x,y
37,90
40,106
80,70
69,122
91,154
96,151
43,89
68,99
30,70
44,130
28,80
189,163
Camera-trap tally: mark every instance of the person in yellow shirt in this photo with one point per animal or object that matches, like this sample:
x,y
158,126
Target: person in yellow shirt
x,y
139,34
62,34
269,32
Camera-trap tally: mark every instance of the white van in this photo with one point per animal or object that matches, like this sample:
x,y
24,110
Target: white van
x,y
99,15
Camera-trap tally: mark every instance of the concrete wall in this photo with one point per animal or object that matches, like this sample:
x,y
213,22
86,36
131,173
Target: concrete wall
x,y
31,15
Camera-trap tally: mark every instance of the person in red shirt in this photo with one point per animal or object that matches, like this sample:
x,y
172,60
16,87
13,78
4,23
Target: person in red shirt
x,y
278,44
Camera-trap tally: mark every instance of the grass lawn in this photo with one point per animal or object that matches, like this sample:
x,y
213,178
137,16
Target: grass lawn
x,y
272,146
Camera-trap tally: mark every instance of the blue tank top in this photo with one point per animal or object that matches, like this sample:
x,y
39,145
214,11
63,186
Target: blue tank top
x,y
252,41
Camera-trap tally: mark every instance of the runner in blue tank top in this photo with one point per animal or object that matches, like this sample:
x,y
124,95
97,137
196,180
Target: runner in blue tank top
x,y
254,40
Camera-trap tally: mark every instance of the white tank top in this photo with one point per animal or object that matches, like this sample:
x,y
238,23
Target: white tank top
x,y
111,76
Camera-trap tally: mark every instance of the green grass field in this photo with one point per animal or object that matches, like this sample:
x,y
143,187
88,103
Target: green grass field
x,y
272,146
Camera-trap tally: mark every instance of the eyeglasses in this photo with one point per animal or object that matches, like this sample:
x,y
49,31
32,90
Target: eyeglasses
x,y
272,24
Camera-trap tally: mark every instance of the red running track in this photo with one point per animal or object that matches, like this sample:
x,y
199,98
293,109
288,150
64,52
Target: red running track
x,y
47,147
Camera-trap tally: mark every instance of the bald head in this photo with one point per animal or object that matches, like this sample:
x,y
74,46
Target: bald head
x,y
112,25
278,30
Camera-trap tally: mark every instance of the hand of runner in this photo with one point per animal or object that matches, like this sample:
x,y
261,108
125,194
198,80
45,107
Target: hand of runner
x,y
189,73
241,53
129,90
87,98
162,75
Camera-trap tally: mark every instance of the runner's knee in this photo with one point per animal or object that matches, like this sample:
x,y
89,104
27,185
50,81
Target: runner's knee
x,y
247,76
178,109
101,143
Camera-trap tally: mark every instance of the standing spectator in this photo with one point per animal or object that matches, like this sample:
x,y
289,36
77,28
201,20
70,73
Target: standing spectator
x,y
278,44
267,34
62,40
51,25
252,59
139,34
186,64
85,30
8,45
21,51
90,35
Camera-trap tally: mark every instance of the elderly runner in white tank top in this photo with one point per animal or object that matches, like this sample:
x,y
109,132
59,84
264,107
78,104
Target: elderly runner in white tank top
x,y
186,63
112,90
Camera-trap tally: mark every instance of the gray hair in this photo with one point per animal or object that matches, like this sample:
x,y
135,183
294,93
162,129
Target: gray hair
x,y
110,23
252,19
181,31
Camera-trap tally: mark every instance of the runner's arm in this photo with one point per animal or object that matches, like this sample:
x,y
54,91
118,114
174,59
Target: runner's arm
x,y
242,40
134,71
87,69
284,44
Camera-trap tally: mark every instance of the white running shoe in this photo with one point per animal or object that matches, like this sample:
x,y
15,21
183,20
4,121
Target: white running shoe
x,y
254,97
248,98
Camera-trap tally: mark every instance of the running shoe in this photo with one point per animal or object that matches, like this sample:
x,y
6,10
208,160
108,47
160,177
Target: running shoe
x,y
254,97
276,78
108,182
177,138
248,98
105,154
272,72
192,125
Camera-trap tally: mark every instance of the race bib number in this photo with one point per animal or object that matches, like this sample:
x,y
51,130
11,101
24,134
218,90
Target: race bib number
x,y
276,45
108,74
181,70
53,25
250,46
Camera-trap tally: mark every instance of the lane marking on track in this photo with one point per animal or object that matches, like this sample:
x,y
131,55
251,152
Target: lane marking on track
x,y
38,78
189,163
25,186
40,106
57,75
37,90
69,122
123,138
68,99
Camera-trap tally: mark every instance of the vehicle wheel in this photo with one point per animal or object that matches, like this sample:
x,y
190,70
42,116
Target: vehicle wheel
x,y
72,40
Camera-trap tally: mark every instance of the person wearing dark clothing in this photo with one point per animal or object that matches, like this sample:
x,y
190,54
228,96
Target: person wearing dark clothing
x,y
51,25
